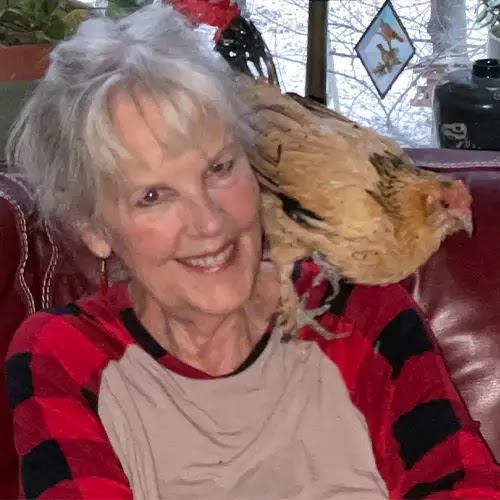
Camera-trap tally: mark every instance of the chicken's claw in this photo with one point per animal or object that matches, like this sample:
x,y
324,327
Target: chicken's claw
x,y
286,320
327,271
306,317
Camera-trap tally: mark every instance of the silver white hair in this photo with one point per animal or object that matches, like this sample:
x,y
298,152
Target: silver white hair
x,y
63,141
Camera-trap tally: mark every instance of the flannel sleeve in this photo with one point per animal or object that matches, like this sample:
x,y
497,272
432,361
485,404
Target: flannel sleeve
x,y
426,444
63,448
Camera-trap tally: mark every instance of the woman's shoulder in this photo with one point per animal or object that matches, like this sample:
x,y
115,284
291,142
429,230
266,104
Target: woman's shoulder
x,y
370,310
372,298
76,330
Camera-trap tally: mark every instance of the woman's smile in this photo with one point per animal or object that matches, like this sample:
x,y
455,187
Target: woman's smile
x,y
211,262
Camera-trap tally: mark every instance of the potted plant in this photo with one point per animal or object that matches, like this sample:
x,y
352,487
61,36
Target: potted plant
x,y
28,31
489,15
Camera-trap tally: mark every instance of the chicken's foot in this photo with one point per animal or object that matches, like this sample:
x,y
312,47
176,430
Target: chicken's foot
x,y
286,320
306,317
327,271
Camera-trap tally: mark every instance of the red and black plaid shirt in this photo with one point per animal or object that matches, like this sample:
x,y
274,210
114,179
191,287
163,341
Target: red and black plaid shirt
x,y
425,443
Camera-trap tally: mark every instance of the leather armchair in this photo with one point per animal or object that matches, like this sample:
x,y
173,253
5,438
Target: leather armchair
x,y
458,289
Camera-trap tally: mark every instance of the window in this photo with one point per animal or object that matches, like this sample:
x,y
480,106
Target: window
x,y
444,33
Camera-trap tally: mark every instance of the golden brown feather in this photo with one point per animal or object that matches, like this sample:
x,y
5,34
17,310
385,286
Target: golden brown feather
x,y
343,193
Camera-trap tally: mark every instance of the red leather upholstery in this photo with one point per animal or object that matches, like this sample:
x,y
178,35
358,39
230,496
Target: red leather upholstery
x,y
458,289
34,274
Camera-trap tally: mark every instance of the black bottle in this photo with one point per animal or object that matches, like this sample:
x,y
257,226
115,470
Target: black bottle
x,y
467,107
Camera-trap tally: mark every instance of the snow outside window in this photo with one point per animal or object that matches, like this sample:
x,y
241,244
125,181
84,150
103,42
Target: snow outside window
x,y
444,33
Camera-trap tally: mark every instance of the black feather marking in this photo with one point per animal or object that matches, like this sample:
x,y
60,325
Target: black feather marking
x,y
268,179
280,151
295,211
389,168
377,197
269,182
389,164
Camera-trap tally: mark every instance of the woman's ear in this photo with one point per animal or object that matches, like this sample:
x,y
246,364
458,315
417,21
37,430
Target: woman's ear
x,y
95,239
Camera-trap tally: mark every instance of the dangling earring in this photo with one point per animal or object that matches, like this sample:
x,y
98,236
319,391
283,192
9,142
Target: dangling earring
x,y
103,277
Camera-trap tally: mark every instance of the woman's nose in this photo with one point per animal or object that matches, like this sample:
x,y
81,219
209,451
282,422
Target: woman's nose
x,y
206,217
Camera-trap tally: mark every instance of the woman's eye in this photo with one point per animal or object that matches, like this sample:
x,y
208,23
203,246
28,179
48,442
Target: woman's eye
x,y
150,198
222,168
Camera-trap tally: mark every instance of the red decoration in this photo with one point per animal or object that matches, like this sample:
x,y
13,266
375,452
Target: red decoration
x,y
217,13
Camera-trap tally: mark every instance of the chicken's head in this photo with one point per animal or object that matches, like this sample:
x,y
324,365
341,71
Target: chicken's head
x,y
452,203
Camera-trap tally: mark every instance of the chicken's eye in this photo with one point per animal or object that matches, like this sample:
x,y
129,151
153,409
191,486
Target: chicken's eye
x,y
445,204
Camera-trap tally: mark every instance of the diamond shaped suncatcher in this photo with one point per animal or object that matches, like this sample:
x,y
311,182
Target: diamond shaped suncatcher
x,y
385,48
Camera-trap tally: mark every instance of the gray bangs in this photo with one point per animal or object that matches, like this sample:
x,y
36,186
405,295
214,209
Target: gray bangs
x,y
187,114
64,143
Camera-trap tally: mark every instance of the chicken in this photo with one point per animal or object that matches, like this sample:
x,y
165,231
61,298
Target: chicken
x,y
345,196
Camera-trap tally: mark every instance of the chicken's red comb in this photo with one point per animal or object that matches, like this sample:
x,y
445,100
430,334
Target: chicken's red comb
x,y
217,13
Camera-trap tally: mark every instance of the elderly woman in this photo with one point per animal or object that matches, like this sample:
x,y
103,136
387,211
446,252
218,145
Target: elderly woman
x,y
174,384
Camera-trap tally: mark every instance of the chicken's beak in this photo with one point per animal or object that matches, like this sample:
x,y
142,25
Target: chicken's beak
x,y
467,224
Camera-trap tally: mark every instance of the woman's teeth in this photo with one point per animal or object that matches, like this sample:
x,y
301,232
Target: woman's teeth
x,y
212,261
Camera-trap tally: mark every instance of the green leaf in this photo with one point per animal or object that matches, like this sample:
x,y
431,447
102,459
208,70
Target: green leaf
x,y
5,4
32,21
15,18
54,30
29,7
50,6
119,8
73,19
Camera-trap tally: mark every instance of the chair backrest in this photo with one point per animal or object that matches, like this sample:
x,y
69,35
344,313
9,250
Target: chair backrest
x,y
458,289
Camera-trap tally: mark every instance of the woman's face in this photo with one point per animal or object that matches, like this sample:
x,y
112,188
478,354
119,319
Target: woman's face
x,y
186,225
